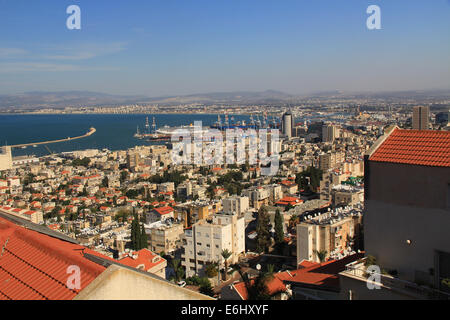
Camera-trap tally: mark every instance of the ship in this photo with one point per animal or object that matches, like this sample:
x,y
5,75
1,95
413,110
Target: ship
x,y
151,134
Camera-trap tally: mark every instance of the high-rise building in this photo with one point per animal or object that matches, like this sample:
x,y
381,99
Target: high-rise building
x,y
288,124
133,160
420,119
329,133
5,158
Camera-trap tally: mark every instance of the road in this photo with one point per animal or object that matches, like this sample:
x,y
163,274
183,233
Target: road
x,y
91,132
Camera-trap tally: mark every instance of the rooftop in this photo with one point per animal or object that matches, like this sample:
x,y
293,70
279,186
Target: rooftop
x,y
417,147
33,266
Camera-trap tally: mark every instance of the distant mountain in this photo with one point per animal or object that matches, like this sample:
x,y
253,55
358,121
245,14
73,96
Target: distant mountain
x,y
241,97
37,100
42,100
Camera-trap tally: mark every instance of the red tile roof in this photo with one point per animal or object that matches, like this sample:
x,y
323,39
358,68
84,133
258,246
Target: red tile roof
x,y
274,286
33,266
417,147
320,274
144,258
164,210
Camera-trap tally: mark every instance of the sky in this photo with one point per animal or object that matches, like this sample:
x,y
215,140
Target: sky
x,y
174,47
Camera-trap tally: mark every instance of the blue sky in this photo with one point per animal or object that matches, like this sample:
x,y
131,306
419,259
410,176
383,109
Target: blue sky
x,y
165,47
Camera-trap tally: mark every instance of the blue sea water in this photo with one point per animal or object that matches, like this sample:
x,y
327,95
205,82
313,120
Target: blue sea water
x,y
114,131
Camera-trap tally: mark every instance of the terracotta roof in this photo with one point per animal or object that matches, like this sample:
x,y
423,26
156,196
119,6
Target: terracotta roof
x,y
144,258
274,286
163,210
33,266
417,147
320,274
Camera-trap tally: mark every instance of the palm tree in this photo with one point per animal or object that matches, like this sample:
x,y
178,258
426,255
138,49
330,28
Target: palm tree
x,y
321,255
226,254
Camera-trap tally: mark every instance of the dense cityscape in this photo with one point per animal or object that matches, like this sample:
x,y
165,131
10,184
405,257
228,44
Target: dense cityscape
x,y
224,159
221,229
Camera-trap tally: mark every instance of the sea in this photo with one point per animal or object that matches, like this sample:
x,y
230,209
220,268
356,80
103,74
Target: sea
x,y
114,131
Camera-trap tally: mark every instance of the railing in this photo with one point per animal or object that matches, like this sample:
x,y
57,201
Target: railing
x,y
357,269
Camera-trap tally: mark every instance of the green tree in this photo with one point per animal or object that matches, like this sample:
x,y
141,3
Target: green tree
x,y
143,238
178,269
263,239
81,162
105,182
211,269
321,255
279,231
206,287
135,233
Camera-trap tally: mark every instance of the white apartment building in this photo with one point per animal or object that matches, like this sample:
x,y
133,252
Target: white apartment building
x,y
330,232
5,158
206,240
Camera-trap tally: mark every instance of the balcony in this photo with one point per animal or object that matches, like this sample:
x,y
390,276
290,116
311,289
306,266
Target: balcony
x,y
357,270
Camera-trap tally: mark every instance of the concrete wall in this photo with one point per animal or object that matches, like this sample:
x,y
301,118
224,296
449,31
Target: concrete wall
x,y
406,202
117,283
360,291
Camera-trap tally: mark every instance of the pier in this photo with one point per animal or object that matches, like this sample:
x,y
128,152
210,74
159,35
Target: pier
x,y
89,133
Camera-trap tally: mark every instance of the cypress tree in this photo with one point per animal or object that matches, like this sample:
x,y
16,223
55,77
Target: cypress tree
x,y
143,238
279,233
135,232
262,230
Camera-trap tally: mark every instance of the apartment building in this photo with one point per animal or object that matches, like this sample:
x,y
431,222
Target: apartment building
x,y
6,162
344,195
329,133
408,184
330,160
29,215
164,236
145,260
236,204
421,118
206,240
332,233
258,196
407,203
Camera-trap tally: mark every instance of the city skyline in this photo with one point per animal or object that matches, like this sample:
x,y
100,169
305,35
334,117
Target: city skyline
x,y
158,48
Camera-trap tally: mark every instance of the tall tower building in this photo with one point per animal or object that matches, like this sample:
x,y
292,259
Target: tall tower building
x,y
287,124
5,158
420,119
329,133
